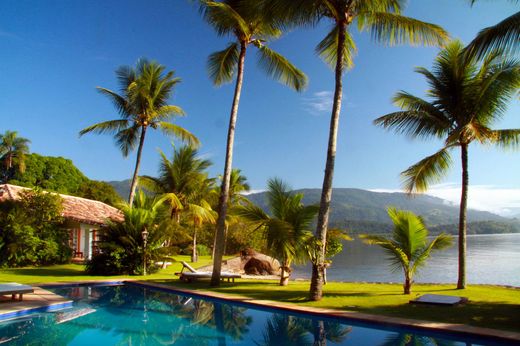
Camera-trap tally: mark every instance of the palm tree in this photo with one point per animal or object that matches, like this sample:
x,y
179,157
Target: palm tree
x,y
248,25
287,230
466,98
237,186
142,104
383,19
121,244
12,153
408,247
504,35
184,184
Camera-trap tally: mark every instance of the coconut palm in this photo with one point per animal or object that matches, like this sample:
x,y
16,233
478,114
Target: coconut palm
x,y
12,153
466,99
408,248
142,104
383,19
249,26
184,184
287,230
504,35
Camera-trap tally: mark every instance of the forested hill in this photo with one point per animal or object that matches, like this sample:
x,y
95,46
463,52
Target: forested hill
x,y
363,211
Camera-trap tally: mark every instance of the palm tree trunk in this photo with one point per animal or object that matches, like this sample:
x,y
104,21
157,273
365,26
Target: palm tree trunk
x,y
224,191
318,268
462,217
407,283
194,256
137,164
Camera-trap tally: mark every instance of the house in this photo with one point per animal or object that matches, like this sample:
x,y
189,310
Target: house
x,y
83,217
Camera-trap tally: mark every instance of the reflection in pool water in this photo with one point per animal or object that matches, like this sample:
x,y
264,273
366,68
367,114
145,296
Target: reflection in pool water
x,y
132,315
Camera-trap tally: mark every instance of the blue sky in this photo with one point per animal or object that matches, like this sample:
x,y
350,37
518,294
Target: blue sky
x,y
54,54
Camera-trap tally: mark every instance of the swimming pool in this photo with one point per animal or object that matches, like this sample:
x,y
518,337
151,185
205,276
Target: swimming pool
x,y
134,315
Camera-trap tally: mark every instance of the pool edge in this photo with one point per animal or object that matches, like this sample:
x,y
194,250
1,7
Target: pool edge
x,y
455,329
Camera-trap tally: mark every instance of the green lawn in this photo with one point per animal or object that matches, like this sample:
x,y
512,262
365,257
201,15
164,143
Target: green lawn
x,y
489,306
76,272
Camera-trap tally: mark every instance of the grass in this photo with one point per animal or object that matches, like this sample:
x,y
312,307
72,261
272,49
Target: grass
x,y
490,306
76,272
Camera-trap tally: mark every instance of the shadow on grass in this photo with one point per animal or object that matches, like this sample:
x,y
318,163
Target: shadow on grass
x,y
47,272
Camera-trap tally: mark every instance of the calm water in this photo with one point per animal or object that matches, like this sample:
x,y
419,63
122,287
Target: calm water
x,y
491,259
132,315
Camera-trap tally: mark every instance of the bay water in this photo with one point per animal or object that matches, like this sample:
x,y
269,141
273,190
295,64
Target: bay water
x,y
491,259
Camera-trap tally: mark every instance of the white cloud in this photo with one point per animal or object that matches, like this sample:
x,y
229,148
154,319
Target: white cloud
x,y
499,200
320,102
250,192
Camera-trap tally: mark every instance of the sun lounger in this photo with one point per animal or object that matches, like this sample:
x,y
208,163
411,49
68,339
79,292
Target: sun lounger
x,y
194,274
439,299
13,289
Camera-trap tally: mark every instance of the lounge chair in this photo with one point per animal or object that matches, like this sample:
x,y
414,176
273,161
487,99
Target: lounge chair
x,y
194,274
13,289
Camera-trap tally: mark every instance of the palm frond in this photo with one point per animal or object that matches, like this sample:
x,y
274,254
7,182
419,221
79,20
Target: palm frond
x,y
504,36
109,126
224,18
429,170
327,49
126,139
120,102
440,242
420,118
251,213
507,138
179,132
393,29
279,68
223,64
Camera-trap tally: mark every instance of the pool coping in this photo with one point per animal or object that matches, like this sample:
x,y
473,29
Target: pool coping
x,y
429,326
435,327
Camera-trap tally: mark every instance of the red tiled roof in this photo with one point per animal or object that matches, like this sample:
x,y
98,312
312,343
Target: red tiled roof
x,y
74,208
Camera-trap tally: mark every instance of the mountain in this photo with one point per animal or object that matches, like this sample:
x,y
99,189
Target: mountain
x,y
122,187
363,211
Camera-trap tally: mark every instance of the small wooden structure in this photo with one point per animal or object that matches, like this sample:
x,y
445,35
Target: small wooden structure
x,y
14,288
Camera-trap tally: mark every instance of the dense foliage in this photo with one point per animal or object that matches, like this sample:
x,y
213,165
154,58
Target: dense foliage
x,y
121,245
58,174
30,232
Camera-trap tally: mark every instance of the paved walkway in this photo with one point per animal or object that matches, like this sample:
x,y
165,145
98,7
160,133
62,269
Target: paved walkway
x,y
39,301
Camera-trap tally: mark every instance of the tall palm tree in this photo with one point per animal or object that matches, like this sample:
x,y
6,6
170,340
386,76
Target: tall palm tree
x,y
237,186
248,26
12,153
142,104
466,99
408,247
504,35
383,19
287,230
184,184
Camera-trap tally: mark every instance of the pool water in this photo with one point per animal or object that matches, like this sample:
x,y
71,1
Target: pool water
x,y
134,315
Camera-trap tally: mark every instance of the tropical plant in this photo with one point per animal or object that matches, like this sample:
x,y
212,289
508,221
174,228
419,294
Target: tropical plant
x,y
142,104
184,184
503,36
248,25
466,99
383,19
408,248
12,154
121,244
287,230
31,232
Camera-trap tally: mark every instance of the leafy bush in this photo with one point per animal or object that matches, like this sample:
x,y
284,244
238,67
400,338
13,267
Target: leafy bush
x,y
30,232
